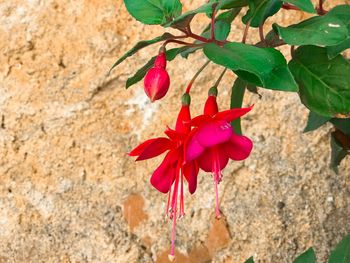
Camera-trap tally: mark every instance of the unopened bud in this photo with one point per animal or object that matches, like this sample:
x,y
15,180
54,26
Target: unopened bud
x,y
156,83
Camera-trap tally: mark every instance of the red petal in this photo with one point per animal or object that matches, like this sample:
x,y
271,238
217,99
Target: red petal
x,y
207,159
190,171
151,148
173,135
214,133
139,149
199,120
239,147
230,115
192,148
164,176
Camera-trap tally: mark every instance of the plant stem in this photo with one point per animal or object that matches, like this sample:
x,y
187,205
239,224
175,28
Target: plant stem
x,y
290,7
188,89
261,33
245,34
220,78
180,42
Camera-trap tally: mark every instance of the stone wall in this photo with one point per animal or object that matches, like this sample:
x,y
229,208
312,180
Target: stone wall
x,y
68,191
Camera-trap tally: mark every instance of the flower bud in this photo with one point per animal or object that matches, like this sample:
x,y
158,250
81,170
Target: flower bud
x,y
157,81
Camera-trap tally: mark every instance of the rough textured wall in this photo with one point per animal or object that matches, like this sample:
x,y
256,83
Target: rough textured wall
x,y
69,193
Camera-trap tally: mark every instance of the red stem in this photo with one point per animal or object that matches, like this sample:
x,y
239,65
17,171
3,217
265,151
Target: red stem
x,y
188,89
261,33
290,7
245,34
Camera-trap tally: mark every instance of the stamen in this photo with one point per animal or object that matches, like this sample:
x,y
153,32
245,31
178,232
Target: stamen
x,y
173,215
168,209
182,207
217,178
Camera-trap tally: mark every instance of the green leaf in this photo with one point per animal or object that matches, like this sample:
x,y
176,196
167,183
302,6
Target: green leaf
x,y
153,12
170,55
228,4
323,84
172,8
328,30
332,51
315,121
307,257
249,260
183,21
342,124
341,253
237,95
264,67
222,29
337,155
305,5
141,45
260,10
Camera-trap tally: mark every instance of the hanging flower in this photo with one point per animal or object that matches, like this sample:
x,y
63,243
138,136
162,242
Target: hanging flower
x,y
157,81
169,176
213,142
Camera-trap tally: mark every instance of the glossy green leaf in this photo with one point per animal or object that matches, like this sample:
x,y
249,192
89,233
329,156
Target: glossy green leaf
x,y
342,124
337,155
228,4
305,5
307,257
153,12
172,8
183,21
237,94
264,67
260,10
222,29
341,254
328,30
332,51
315,121
249,260
141,45
170,55
323,84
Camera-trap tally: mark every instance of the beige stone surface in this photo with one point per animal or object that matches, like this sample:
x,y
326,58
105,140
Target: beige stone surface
x,y
67,186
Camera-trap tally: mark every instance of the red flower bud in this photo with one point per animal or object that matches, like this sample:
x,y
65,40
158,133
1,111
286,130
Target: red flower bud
x,y
157,81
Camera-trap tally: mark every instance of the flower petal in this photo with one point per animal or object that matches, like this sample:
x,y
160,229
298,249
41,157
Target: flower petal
x,y
164,176
190,171
199,120
173,135
207,159
230,115
152,149
239,147
192,147
213,133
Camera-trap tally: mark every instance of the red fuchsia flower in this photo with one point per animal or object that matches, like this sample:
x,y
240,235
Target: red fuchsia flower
x,y
213,142
157,81
169,176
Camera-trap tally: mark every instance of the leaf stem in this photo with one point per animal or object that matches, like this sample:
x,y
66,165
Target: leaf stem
x,y
245,34
290,7
189,86
261,34
220,78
